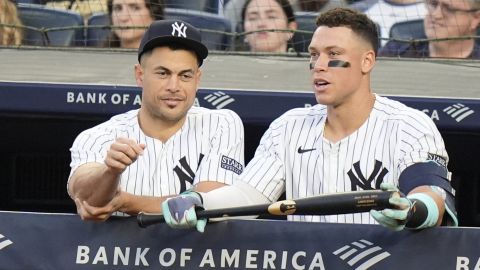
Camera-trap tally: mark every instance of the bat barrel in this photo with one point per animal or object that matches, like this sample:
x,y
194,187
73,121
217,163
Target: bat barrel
x,y
344,203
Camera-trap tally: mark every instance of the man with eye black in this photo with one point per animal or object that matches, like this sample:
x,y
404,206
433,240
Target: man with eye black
x,y
135,160
454,23
352,140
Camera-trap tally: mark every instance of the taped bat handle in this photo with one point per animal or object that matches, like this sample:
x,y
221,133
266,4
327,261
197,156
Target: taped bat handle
x,y
144,219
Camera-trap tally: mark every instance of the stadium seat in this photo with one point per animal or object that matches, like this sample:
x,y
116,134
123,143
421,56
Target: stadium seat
x,y
215,29
407,30
411,30
211,6
41,2
362,5
95,34
305,26
45,19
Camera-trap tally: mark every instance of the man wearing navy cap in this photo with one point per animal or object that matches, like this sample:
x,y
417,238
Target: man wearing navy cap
x,y
137,159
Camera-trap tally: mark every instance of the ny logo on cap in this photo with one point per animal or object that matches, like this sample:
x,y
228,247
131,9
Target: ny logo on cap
x,y
180,29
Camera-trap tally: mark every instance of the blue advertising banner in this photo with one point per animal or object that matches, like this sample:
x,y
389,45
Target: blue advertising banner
x,y
252,106
61,241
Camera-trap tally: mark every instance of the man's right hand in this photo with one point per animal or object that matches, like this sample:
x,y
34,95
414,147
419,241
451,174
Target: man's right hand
x,y
122,153
97,183
88,212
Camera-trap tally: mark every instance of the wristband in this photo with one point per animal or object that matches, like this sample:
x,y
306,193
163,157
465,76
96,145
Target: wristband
x,y
424,212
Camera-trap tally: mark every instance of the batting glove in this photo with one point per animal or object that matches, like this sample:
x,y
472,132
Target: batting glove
x,y
394,218
180,211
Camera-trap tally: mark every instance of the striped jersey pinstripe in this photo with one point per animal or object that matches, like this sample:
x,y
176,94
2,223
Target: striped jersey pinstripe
x,y
294,156
192,154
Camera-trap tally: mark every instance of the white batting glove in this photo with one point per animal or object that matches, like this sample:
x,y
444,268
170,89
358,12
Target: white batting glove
x,y
394,218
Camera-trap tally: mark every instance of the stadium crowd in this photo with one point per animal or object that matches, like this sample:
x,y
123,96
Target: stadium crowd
x,y
408,28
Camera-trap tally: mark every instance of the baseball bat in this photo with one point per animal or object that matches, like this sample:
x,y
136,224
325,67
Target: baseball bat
x,y
329,204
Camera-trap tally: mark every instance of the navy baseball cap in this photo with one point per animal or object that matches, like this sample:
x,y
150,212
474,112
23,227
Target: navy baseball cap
x,y
164,32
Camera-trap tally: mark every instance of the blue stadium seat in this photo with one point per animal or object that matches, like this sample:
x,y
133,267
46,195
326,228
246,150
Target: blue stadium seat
x,y
211,6
96,35
43,18
306,26
40,2
214,28
408,30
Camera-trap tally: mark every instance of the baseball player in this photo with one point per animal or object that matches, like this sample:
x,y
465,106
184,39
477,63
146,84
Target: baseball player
x,y
132,162
352,140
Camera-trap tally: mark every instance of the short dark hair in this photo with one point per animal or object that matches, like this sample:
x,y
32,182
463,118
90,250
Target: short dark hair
x,y
285,4
358,22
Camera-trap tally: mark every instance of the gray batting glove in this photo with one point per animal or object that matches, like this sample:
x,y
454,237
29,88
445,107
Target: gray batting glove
x,y
180,211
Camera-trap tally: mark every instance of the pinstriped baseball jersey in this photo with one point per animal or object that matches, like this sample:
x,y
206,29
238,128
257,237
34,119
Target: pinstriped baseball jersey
x,y
209,146
294,156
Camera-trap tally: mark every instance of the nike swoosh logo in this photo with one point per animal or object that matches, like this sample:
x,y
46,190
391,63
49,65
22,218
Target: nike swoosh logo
x,y
301,151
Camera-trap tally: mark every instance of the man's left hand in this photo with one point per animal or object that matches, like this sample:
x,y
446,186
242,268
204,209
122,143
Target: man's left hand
x,y
180,211
396,217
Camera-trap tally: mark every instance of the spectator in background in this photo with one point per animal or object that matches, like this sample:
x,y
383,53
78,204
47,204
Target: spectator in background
x,y
233,10
386,13
444,19
9,35
132,13
268,14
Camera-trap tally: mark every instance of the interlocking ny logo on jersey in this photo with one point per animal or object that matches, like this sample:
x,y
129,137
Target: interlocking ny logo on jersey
x,y
180,29
188,174
361,254
357,179
4,242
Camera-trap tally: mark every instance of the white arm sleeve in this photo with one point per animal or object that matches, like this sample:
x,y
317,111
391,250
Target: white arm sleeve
x,y
238,194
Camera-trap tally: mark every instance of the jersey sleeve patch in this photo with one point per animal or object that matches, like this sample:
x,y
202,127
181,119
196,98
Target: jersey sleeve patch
x,y
441,161
231,164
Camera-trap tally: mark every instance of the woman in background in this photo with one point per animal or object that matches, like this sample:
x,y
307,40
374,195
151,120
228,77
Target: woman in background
x,y
268,14
132,13
8,15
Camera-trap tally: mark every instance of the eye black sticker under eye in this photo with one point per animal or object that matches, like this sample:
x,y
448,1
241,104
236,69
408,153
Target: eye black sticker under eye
x,y
338,63
333,63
